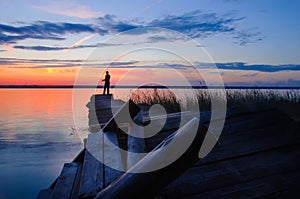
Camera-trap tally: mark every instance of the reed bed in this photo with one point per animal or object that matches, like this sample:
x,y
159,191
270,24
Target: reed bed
x,y
203,98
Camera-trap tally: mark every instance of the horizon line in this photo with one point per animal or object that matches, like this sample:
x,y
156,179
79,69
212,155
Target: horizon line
x,y
143,87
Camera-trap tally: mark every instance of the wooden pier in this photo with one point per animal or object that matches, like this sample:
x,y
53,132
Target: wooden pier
x,y
256,156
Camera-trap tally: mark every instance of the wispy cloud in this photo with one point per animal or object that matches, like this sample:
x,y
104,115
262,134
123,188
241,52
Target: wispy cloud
x,y
68,8
20,60
114,25
235,66
43,30
196,24
38,63
55,48
250,75
77,43
63,63
275,83
193,24
251,67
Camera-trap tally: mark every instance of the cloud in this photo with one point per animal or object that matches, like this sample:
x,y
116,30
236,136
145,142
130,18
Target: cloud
x,y
138,64
40,48
77,43
55,48
194,24
112,24
63,63
68,8
251,67
70,65
43,30
38,63
20,60
123,63
247,36
165,38
290,83
250,75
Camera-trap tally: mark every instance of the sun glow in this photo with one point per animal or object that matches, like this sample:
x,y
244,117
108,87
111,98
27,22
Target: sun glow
x,y
50,70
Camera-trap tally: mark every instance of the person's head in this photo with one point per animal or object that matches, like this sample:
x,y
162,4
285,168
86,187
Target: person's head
x,y
107,72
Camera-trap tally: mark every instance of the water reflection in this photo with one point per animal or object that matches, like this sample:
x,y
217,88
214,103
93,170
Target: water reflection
x,y
35,139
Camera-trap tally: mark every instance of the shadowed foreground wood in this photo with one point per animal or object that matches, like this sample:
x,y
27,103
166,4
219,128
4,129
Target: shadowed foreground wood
x,y
146,184
257,155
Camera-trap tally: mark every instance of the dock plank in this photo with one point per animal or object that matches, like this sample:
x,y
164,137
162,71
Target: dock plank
x,y
115,162
76,185
274,186
246,123
65,182
45,194
230,172
92,171
253,141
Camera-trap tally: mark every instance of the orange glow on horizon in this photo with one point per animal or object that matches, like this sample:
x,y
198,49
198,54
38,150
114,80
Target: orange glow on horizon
x,y
37,76
30,75
12,75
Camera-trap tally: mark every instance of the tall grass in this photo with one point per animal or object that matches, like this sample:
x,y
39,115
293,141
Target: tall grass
x,y
155,96
203,98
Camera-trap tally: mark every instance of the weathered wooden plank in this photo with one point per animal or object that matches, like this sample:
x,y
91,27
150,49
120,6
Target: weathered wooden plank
x,y
65,182
252,108
113,160
171,123
234,171
238,123
135,184
103,163
253,141
274,186
76,186
135,145
236,111
250,122
93,170
45,194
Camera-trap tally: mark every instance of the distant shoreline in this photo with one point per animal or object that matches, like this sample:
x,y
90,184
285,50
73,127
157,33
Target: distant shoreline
x,y
142,87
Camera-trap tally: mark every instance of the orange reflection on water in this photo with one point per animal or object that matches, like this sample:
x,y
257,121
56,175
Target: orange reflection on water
x,y
42,104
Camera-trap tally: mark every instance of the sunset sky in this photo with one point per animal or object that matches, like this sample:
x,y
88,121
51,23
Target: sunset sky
x,y
58,42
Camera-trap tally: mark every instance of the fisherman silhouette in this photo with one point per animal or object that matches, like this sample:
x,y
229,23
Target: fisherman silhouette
x,y
107,83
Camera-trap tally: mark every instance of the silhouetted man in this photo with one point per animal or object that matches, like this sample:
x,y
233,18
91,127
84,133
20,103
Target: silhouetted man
x,y
107,83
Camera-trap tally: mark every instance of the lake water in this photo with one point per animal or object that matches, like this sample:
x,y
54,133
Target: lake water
x,y
36,138
40,130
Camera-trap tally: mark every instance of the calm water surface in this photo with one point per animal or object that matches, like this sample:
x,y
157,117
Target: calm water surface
x,y
37,137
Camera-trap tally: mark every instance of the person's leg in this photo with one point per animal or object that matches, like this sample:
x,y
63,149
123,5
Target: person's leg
x,y
108,89
104,89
